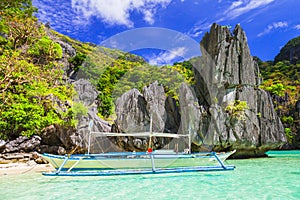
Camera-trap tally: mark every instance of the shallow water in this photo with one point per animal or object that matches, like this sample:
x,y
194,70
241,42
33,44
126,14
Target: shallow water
x,y
264,178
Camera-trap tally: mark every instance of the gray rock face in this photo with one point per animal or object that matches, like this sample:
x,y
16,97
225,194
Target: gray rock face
x,y
231,56
60,140
191,112
2,144
155,97
67,48
134,110
87,95
173,116
21,144
234,74
132,113
56,135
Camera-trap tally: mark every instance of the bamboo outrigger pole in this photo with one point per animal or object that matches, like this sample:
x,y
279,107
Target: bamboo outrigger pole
x,y
90,132
150,135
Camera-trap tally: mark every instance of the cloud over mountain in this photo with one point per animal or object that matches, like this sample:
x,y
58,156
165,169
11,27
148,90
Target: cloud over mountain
x,y
118,12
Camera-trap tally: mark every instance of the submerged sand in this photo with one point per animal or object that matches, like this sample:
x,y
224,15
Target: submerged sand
x,y
22,168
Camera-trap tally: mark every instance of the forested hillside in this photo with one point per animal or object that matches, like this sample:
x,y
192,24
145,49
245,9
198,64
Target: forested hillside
x,y
31,78
38,65
282,80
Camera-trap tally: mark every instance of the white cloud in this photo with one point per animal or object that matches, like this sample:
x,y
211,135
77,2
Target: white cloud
x,y
58,13
167,57
199,28
240,7
235,4
117,12
280,24
274,25
196,31
148,17
297,27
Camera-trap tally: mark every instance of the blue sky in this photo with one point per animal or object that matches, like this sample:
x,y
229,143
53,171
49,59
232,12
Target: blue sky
x,y
269,24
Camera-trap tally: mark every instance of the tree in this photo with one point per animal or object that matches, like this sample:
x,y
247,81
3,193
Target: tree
x,y
30,90
18,22
277,89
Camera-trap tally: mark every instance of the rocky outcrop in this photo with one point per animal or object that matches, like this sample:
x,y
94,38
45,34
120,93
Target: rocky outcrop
x,y
59,139
56,139
132,113
31,159
191,112
236,75
155,97
134,110
21,150
86,93
231,56
87,96
20,144
173,120
225,109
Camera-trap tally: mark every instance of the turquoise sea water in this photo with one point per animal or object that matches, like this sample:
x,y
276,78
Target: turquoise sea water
x,y
264,178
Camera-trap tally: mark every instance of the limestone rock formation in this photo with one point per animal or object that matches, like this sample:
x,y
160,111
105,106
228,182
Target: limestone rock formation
x,y
225,75
134,110
132,114
56,139
235,75
20,144
173,115
87,95
155,97
191,112
60,140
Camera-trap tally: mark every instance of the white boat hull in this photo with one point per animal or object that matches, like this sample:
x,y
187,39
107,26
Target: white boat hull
x,y
132,161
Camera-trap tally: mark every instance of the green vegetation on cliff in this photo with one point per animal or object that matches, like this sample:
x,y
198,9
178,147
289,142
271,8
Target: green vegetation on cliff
x,y
123,75
31,82
33,89
290,52
282,80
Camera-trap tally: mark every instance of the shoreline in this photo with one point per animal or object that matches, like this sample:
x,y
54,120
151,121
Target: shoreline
x,y
23,168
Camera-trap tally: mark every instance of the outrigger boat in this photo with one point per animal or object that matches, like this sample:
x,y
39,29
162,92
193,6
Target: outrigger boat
x,y
123,163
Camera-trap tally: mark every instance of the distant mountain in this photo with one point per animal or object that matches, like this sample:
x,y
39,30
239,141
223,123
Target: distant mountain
x,y
290,51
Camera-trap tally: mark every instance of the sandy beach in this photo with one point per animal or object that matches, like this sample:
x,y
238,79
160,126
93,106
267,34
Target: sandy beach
x,y
22,168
